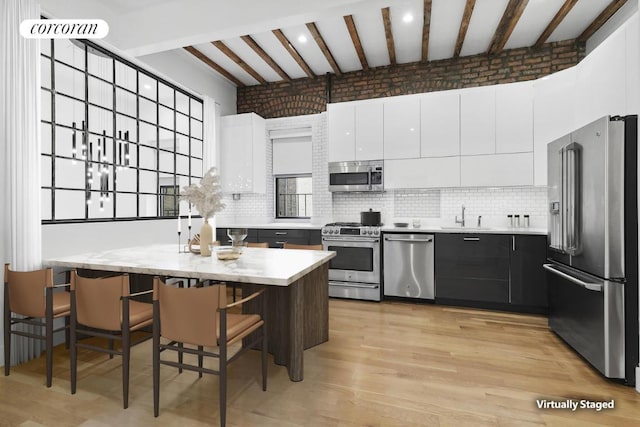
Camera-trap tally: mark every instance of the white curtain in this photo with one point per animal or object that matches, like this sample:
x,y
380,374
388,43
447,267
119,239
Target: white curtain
x,y
210,136
20,150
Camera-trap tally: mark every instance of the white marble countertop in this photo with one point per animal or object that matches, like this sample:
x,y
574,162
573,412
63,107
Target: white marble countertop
x,y
279,267
272,225
483,230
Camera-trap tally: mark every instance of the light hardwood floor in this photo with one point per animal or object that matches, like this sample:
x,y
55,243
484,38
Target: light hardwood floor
x,y
387,364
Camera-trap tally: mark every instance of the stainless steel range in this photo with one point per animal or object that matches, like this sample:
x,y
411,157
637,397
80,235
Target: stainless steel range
x,y
355,271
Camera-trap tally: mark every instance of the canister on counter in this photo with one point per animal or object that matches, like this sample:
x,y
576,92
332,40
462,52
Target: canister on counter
x,y
526,221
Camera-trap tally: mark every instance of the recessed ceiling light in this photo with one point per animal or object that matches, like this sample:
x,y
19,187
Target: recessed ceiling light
x,y
302,38
408,17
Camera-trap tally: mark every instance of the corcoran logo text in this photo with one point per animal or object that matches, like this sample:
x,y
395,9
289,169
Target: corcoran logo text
x,y
64,28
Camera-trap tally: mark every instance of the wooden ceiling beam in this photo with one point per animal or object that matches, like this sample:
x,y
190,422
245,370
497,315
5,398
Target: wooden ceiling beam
x,y
426,28
204,58
235,58
293,52
562,13
510,18
355,38
265,57
601,19
386,18
313,29
464,26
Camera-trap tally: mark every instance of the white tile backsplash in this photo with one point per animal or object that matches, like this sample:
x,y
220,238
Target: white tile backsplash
x,y
432,206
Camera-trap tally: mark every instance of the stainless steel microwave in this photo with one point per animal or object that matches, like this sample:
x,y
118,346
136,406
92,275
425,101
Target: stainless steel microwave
x,y
356,176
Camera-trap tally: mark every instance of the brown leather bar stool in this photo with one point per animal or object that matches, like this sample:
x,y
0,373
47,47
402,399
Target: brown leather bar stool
x,y
103,307
258,245
199,317
29,294
296,246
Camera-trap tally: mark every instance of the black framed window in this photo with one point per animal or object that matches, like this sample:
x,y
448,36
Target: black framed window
x,y
294,196
117,141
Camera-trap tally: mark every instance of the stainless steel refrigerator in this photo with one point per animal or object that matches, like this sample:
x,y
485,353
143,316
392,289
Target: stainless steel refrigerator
x,y
592,271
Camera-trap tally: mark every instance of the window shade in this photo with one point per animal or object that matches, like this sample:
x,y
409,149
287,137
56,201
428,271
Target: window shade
x,y
292,155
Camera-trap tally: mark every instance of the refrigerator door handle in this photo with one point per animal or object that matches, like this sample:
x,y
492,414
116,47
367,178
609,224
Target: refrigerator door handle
x,y
572,187
597,287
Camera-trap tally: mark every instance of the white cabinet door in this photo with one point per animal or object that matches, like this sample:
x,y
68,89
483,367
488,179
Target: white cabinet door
x,y
341,124
422,173
514,117
402,128
242,161
440,124
553,115
497,170
369,130
478,121
600,88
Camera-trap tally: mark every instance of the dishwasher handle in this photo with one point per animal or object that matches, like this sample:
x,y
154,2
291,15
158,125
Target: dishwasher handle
x,y
389,239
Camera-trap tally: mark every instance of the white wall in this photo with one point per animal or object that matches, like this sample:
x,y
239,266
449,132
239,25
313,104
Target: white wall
x,y
624,13
180,66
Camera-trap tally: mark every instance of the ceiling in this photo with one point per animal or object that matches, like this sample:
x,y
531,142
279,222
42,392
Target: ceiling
x,y
252,42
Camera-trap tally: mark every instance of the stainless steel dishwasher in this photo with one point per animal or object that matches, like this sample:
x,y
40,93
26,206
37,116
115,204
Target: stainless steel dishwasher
x,y
408,265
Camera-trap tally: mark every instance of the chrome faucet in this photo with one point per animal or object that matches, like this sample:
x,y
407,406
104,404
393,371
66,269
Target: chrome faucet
x,y
461,221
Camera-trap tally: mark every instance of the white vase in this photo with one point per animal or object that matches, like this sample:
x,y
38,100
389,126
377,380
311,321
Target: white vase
x,y
206,238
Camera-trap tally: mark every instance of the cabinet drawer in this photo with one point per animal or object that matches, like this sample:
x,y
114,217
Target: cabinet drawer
x,y
278,242
486,290
457,245
282,233
472,256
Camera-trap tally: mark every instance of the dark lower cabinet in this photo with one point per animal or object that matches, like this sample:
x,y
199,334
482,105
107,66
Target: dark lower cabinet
x,y
275,237
472,267
528,279
223,238
491,270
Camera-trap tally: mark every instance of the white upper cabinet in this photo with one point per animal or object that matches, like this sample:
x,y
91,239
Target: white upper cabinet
x,y
341,123
243,154
514,117
600,88
497,170
440,124
369,130
434,172
478,121
553,115
402,128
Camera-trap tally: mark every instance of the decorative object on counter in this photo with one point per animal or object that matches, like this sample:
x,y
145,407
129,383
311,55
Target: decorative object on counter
x,y
401,224
510,220
370,218
207,198
416,223
516,221
526,221
194,244
479,221
229,253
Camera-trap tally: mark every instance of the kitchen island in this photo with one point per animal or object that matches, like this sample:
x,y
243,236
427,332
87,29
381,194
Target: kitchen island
x,y
296,283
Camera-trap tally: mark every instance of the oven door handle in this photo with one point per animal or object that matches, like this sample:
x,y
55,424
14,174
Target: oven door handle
x,y
353,285
389,239
329,239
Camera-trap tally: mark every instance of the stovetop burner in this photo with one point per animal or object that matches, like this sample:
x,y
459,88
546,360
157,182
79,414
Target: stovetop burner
x,y
344,224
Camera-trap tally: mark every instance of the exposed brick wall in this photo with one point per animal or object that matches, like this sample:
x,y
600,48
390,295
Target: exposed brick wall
x,y
308,96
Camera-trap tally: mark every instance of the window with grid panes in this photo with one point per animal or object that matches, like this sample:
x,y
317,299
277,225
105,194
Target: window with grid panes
x,y
117,141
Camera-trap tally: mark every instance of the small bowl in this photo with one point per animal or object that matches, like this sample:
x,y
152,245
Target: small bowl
x,y
228,253
401,224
